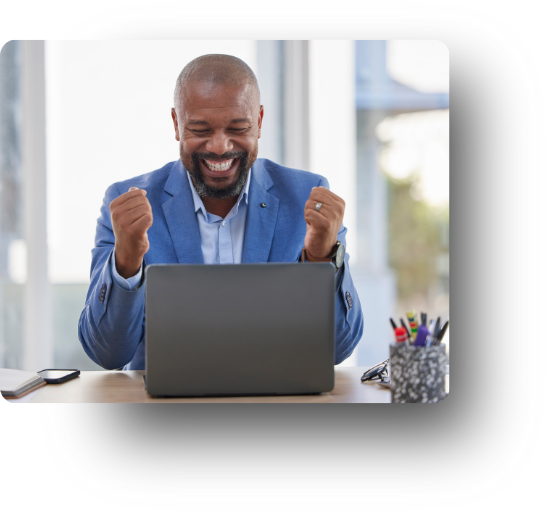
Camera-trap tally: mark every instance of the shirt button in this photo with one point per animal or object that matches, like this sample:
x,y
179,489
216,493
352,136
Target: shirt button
x,y
223,224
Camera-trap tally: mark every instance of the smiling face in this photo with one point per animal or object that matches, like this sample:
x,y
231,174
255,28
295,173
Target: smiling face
x,y
218,127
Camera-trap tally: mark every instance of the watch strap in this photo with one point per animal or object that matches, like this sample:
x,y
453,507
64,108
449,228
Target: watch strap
x,y
304,257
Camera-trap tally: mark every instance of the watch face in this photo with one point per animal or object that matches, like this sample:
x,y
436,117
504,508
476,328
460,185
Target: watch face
x,y
339,257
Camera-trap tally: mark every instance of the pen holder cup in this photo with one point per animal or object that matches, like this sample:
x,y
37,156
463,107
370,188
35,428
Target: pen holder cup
x,y
417,374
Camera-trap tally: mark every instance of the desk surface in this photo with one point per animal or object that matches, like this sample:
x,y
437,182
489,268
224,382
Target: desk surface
x,y
128,387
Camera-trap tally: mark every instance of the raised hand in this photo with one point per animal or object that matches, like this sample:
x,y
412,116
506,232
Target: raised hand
x,y
131,216
322,227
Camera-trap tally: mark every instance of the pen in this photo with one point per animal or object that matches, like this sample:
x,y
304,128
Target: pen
x,y
423,319
394,327
430,337
405,327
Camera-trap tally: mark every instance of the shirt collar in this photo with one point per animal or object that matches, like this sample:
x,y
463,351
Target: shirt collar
x,y
199,204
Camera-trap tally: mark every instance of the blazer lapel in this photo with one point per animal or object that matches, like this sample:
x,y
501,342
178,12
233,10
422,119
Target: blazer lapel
x,y
261,221
181,217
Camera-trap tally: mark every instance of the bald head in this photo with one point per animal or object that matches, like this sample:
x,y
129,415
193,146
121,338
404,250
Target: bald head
x,y
216,69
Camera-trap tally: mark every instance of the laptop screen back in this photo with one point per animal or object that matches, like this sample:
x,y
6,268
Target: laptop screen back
x,y
239,329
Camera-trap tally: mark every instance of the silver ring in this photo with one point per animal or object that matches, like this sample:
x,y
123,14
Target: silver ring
x,y
318,206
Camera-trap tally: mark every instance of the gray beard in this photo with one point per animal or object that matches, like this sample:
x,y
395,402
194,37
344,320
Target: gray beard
x,y
207,191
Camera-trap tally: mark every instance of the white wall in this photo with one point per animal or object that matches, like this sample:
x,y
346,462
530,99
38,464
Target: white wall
x,y
270,77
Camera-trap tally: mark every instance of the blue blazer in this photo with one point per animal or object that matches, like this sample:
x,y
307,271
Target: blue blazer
x,y
112,324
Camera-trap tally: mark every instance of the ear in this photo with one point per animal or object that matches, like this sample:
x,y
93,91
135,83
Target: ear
x,y
175,123
260,121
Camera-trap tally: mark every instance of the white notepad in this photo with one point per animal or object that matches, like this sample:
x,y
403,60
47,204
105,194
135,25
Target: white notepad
x,y
16,383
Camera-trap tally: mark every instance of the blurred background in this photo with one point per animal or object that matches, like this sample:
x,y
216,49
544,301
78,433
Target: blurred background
x,y
371,116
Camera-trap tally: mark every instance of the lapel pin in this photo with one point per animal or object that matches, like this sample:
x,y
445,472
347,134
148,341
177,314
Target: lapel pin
x,y
263,205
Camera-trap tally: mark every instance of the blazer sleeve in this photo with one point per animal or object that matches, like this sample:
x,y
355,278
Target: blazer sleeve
x,y
112,324
348,310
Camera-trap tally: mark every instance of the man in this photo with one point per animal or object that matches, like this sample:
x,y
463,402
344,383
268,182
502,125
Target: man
x,y
218,204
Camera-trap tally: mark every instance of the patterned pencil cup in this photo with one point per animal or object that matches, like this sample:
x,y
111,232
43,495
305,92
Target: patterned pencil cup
x,y
417,374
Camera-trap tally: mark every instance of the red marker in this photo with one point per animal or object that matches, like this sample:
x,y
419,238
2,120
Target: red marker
x,y
401,335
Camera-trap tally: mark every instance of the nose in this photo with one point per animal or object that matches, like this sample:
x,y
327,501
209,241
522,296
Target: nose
x,y
219,143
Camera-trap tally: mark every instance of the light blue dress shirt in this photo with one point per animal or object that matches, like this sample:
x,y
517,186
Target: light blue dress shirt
x,y
222,240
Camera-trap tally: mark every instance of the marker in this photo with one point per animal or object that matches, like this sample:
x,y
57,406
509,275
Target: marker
x,y
436,339
442,332
406,330
413,325
423,319
394,327
412,317
437,327
422,333
401,335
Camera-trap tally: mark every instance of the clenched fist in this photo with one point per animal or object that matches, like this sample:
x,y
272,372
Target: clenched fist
x,y
322,227
131,216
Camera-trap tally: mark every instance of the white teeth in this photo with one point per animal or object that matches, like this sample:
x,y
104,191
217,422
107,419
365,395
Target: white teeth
x,y
215,166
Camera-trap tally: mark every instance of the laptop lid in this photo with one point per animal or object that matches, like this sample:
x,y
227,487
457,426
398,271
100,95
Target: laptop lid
x,y
243,329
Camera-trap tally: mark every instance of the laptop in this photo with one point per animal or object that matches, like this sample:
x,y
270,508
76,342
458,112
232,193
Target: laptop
x,y
248,329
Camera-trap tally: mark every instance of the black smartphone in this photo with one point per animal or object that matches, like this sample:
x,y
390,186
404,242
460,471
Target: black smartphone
x,y
56,376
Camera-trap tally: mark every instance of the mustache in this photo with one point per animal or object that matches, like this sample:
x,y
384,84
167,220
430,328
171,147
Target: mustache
x,y
225,156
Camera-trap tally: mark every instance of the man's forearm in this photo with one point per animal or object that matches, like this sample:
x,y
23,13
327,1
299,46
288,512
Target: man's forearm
x,y
111,326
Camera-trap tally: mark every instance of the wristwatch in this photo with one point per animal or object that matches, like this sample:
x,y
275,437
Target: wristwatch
x,y
336,257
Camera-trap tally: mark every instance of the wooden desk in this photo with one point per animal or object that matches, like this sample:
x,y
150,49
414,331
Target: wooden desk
x,y
128,387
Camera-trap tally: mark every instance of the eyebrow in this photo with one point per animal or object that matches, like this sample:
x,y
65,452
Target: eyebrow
x,y
239,120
